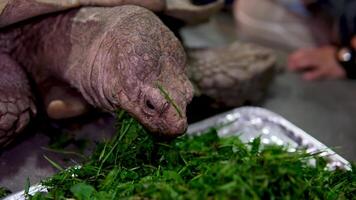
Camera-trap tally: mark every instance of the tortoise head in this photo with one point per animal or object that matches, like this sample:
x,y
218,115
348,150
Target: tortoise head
x,y
143,71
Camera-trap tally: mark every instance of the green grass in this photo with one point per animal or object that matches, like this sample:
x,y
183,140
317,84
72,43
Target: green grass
x,y
169,99
135,165
4,192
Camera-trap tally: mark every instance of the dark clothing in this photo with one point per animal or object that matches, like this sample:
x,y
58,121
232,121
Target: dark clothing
x,y
347,23
344,11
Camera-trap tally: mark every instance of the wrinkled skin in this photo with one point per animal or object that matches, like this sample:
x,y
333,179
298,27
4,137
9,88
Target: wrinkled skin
x,y
115,57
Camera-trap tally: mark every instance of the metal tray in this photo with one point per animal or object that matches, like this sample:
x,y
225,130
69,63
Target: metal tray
x,y
249,123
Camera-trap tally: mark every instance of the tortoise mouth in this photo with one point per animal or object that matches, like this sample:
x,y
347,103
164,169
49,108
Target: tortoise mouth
x,y
168,130
172,131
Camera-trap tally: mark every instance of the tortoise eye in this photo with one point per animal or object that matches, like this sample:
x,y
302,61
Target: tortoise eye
x,y
149,105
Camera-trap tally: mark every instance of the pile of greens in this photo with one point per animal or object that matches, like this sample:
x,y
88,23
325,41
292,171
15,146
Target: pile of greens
x,y
4,192
135,165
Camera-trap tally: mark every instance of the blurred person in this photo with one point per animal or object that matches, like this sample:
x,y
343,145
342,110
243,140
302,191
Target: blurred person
x,y
320,33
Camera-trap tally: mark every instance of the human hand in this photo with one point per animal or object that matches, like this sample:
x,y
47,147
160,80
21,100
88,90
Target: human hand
x,y
316,63
353,42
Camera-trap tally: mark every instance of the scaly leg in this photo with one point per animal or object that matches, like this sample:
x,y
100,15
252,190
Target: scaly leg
x,y
16,100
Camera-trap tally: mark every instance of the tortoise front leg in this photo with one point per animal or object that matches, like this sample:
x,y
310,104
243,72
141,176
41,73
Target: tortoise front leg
x,y
61,100
16,100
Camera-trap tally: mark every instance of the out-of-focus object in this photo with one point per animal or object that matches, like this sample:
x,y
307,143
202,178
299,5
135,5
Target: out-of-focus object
x,y
271,23
347,59
232,75
191,13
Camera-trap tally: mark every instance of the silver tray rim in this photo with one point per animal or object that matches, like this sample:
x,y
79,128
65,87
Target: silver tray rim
x,y
295,133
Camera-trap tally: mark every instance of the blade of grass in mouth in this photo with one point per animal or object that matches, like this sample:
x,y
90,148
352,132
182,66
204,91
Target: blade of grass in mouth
x,y
166,95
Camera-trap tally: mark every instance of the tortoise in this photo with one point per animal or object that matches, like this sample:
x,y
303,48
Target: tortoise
x,y
110,54
232,75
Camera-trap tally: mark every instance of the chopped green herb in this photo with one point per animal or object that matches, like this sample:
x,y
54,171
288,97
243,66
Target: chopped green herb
x,y
169,99
82,191
27,187
54,164
61,151
135,165
4,192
